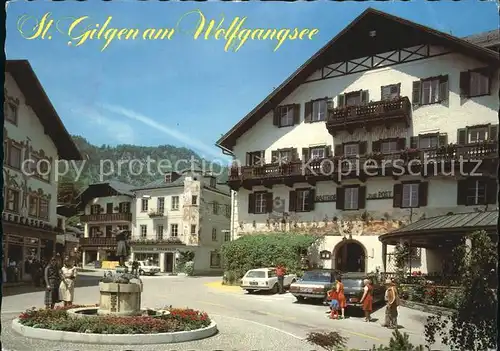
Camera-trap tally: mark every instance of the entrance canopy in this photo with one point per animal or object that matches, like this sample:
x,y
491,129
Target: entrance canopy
x,y
442,230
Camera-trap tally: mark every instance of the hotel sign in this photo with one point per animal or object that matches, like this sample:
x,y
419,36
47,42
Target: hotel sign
x,y
325,198
381,195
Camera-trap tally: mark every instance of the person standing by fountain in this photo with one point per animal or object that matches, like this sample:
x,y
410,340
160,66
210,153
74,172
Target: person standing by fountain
x,y
52,279
67,286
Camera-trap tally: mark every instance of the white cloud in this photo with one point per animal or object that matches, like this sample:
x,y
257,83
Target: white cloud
x,y
184,138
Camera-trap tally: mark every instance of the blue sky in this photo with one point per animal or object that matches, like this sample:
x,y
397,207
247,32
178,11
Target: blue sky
x,y
189,92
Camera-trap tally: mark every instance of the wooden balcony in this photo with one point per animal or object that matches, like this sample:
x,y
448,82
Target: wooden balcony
x,y
98,242
335,168
378,113
107,217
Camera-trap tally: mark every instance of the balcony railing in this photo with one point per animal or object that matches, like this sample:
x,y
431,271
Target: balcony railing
x,y
109,241
156,213
107,217
373,113
329,166
154,241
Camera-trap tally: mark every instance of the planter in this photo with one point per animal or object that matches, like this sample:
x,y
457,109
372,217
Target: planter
x,y
120,299
427,308
117,339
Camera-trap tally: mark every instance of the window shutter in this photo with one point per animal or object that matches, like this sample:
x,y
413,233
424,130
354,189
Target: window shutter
x,y
292,200
308,112
376,146
269,202
414,142
296,114
340,198
397,197
401,143
423,192
328,151
462,192
295,154
248,160
443,88
465,84
462,136
493,132
305,154
362,197
339,150
274,156
251,203
399,89
364,97
416,92
442,139
385,92
491,192
311,195
276,117
362,147
341,100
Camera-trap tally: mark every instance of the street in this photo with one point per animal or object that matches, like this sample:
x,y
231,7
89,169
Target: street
x,y
246,322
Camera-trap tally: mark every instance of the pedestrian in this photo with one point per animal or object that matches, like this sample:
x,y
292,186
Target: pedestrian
x,y
391,309
280,272
36,272
67,285
334,303
135,267
52,280
367,299
339,288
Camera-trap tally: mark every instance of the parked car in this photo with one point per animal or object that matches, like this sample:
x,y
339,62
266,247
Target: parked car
x,y
353,288
264,279
314,284
145,268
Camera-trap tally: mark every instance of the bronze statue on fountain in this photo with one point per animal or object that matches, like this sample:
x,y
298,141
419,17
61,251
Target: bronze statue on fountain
x,y
122,246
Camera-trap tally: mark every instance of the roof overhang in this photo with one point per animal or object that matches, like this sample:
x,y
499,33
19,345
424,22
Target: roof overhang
x,y
342,48
97,190
37,99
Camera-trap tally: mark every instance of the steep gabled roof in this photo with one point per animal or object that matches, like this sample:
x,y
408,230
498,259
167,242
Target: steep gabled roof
x,y
352,42
35,96
488,39
104,189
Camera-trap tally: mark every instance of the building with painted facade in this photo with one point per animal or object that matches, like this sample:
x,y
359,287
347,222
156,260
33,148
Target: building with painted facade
x,y
34,140
342,148
184,212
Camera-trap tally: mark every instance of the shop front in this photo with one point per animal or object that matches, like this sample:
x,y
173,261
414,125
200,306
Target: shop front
x,y
164,257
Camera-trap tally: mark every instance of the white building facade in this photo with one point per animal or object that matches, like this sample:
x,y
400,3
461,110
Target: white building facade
x,y
367,96
184,212
34,140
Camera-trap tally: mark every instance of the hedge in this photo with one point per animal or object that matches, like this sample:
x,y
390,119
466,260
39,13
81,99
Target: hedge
x,y
264,250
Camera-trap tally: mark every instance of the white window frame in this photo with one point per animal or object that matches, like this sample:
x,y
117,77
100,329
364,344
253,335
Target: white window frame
x,y
227,236
392,93
286,116
430,91
351,198
174,230
260,203
318,110
410,196
144,205
389,147
17,161
351,150
175,203
302,204
284,156
479,190
125,207
94,231
428,141
476,132
160,204
97,209
317,153
159,233
479,84
353,98
214,234
144,231
194,199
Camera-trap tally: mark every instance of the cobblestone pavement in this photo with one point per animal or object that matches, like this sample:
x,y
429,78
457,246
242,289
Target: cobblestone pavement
x,y
246,322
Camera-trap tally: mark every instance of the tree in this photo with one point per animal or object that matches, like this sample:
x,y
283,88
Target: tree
x,y
473,326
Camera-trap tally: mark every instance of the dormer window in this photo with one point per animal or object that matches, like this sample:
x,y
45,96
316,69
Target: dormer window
x,y
168,178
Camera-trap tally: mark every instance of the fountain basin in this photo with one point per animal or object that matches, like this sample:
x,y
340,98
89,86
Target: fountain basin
x,y
116,339
94,312
120,299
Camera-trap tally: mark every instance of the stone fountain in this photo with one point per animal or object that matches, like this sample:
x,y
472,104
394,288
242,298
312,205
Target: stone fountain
x,y
120,295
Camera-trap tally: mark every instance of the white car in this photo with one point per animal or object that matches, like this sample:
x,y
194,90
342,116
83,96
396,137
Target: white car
x,y
264,279
144,268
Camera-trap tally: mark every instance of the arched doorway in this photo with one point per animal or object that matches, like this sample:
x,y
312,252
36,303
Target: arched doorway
x,y
350,256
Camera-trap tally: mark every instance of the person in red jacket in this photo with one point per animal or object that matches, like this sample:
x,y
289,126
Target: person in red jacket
x,y
280,272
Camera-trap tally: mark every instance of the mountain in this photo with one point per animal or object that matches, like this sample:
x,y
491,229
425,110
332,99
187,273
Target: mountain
x,y
129,164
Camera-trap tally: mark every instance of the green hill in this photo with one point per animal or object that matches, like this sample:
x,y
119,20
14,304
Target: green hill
x,y
115,163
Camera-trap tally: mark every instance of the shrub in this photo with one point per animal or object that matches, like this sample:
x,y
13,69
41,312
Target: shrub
x,y
189,268
329,341
264,250
398,342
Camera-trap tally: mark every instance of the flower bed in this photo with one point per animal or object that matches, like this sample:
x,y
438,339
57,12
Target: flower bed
x,y
441,296
59,319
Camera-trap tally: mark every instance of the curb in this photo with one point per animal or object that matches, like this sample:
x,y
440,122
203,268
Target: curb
x,y
427,308
116,339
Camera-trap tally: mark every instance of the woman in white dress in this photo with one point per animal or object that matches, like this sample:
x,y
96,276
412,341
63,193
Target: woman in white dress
x,y
67,286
